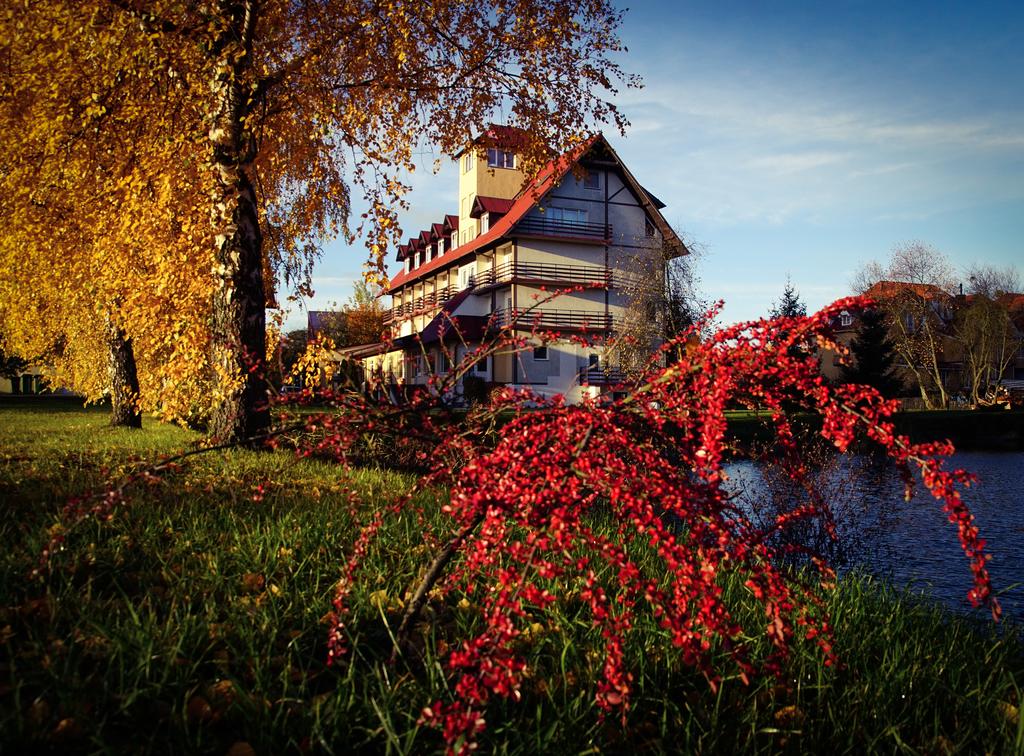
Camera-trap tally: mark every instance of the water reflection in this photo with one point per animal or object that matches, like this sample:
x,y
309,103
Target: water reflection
x,y
912,543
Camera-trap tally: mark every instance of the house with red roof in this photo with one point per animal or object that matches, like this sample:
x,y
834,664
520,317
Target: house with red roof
x,y
578,226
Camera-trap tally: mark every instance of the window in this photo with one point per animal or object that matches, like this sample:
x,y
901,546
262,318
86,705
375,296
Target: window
x,y
592,180
500,158
845,318
408,264
443,362
593,361
540,353
648,228
467,274
440,247
485,222
467,162
566,215
481,366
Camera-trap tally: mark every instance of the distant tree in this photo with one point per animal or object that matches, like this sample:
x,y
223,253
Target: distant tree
x,y
364,317
11,367
984,329
913,292
663,299
789,306
874,356
293,344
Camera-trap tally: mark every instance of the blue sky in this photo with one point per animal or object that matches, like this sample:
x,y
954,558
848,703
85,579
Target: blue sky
x,y
804,139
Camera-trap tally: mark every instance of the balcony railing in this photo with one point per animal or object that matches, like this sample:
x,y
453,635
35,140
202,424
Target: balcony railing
x,y
544,273
421,304
596,376
553,227
555,320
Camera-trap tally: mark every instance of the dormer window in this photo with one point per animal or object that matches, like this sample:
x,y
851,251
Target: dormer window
x,y
485,223
408,264
500,158
440,247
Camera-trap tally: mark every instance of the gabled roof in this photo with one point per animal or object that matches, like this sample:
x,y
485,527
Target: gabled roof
x,y
501,136
547,178
484,204
890,289
317,320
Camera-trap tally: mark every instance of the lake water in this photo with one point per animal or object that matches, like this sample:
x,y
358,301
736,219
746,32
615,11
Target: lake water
x,y
912,542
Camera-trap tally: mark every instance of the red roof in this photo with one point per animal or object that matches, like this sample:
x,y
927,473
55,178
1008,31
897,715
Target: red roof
x,y
889,289
501,136
525,200
547,177
490,205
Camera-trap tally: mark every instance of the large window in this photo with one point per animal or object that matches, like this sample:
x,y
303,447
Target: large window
x,y
500,158
566,214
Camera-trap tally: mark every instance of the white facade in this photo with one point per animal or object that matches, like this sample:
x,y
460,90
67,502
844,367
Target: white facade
x,y
590,227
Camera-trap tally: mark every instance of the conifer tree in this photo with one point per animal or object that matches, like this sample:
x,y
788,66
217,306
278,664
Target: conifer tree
x,y
789,306
872,356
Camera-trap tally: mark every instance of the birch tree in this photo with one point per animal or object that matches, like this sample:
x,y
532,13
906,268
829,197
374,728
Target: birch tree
x,y
984,329
912,289
264,116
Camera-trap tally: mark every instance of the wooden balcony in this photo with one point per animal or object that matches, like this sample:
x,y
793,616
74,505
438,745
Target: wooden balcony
x,y
545,319
546,274
549,227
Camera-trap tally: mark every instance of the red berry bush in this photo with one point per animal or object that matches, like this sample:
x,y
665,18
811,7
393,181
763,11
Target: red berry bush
x,y
523,503
615,510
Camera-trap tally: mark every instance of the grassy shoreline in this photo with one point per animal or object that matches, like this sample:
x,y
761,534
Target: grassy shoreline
x,y
192,622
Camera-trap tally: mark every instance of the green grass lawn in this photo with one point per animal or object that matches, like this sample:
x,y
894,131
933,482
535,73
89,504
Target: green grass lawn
x,y
193,622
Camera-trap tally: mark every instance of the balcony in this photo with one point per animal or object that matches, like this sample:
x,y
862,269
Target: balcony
x,y
589,276
555,320
596,376
534,226
421,305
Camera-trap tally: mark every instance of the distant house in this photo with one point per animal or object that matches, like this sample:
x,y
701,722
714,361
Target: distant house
x,y
319,321
912,303
581,223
